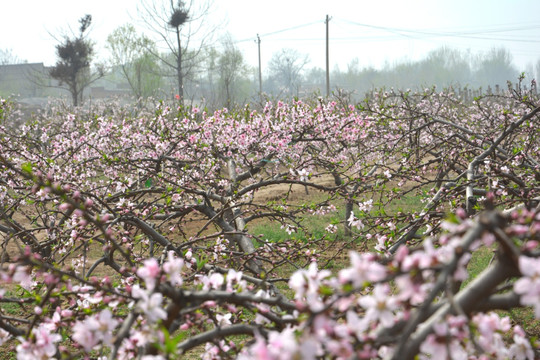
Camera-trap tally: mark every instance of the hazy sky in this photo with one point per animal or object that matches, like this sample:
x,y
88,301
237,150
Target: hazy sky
x,y
375,31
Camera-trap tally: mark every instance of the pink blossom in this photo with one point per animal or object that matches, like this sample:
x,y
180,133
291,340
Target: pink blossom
x,y
521,348
444,342
22,277
224,320
84,336
235,277
364,269
149,272
4,336
173,268
42,347
366,206
529,285
214,281
354,221
380,306
442,348
149,304
259,350
491,327
332,229
94,330
413,291
288,228
282,345
356,324
306,283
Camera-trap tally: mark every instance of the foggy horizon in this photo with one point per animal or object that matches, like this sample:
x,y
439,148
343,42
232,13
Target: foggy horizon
x,y
376,34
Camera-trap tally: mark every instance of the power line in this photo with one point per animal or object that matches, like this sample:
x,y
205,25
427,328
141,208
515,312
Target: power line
x,y
280,31
473,34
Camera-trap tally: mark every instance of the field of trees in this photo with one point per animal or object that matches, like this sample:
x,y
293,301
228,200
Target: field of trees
x,y
404,225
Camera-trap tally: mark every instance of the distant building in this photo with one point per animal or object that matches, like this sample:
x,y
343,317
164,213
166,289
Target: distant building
x,y
26,81
31,83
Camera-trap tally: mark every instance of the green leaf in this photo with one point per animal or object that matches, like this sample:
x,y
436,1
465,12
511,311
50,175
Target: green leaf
x,y
148,183
27,167
326,290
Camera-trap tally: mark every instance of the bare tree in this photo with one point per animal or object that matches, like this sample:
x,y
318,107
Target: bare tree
x,y
7,57
285,69
72,69
178,24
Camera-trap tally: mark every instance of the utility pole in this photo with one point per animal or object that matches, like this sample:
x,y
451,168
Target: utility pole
x,y
260,71
327,58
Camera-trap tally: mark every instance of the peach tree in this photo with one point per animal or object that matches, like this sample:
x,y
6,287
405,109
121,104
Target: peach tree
x,y
133,234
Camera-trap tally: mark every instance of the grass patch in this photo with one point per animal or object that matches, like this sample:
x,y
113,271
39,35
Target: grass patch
x,y
480,260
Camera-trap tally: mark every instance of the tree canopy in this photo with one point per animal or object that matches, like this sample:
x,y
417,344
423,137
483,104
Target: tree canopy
x,y
72,68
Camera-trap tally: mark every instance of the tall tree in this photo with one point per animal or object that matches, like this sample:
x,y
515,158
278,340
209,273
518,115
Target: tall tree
x,y
131,54
177,24
178,18
72,68
232,69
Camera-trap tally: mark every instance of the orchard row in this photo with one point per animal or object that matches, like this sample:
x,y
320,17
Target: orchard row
x,y
134,231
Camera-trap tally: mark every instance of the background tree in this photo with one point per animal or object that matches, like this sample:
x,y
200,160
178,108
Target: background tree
x,y
495,67
72,69
537,69
177,25
7,57
316,78
285,70
131,53
178,18
210,78
232,68
445,66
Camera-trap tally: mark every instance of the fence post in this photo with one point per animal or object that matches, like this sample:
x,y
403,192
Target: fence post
x,y
470,200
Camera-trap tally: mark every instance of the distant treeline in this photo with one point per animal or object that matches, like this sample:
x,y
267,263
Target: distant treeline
x,y
443,68
223,79
288,75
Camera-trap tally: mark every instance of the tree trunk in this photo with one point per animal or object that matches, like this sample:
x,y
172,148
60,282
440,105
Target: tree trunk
x,y
75,95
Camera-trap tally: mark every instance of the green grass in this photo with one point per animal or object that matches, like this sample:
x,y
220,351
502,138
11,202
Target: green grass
x,y
313,226
480,260
270,231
